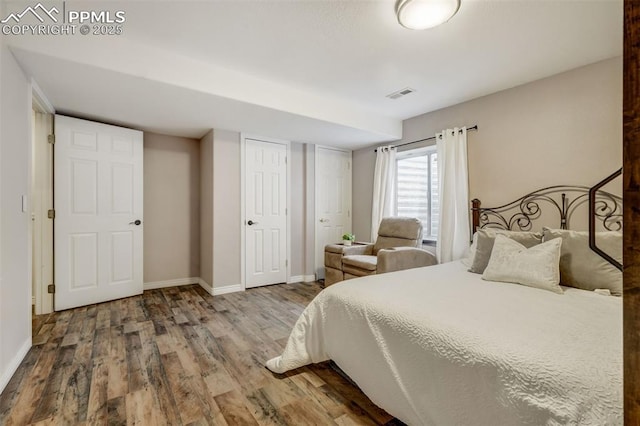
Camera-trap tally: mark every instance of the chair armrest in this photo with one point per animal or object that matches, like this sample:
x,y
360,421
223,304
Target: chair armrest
x,y
399,258
358,249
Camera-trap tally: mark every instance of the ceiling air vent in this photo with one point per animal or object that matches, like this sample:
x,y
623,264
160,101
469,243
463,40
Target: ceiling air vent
x,y
401,93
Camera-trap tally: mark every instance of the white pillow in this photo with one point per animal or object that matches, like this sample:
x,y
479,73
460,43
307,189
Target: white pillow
x,y
538,266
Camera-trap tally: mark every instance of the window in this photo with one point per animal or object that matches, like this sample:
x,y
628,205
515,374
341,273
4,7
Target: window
x,y
417,188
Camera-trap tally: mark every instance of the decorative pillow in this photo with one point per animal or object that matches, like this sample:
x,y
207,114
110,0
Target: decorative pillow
x,y
486,238
537,266
583,268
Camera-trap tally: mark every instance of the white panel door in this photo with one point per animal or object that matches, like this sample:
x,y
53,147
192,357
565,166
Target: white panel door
x,y
333,200
98,202
265,213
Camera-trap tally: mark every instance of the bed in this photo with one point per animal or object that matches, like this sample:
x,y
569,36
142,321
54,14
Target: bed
x,y
441,346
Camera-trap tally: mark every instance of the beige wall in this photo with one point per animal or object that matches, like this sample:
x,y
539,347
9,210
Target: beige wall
x,y
15,248
364,161
564,129
206,208
226,208
172,208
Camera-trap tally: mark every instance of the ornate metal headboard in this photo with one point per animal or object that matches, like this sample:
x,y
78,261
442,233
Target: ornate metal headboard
x,y
520,214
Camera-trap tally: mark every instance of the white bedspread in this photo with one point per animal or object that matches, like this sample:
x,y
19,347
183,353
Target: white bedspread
x,y
440,346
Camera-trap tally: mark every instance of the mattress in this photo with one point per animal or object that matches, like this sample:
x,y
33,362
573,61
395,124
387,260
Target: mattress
x,y
440,346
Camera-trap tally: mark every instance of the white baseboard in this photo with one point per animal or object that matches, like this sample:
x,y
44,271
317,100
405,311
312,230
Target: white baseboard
x,y
205,285
170,283
217,291
14,364
301,279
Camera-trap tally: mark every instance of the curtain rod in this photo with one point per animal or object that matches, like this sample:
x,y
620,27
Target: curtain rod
x,y
475,127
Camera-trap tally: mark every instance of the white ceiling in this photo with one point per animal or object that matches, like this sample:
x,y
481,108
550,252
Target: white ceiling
x,y
308,71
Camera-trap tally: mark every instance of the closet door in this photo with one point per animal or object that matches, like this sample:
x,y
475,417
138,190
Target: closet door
x,y
266,213
98,231
333,200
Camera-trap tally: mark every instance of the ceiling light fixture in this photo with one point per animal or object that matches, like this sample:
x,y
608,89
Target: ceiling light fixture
x,y
423,14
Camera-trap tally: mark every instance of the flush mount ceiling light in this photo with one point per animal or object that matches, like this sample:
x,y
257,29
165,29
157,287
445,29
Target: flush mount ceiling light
x,y
423,14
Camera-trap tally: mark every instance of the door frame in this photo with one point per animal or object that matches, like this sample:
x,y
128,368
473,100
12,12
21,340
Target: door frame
x,y
44,301
316,183
243,207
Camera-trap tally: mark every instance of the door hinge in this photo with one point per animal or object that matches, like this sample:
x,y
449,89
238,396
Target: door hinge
x,y
348,165
285,159
51,288
286,263
51,214
51,139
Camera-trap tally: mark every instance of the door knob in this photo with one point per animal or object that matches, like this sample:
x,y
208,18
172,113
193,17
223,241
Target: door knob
x,y
135,222
324,220
251,223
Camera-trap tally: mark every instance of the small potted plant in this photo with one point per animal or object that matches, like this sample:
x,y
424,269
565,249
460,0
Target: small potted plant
x,y
348,239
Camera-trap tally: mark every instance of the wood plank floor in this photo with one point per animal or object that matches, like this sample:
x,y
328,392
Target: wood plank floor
x,y
178,356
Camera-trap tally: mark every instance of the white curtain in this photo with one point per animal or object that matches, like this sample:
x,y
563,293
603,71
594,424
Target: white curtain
x,y
384,186
453,184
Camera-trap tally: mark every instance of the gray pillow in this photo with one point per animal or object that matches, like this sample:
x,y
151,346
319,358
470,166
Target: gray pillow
x,y
467,260
486,239
581,267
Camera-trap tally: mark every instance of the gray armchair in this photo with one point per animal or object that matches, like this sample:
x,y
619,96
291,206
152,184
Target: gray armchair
x,y
395,249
